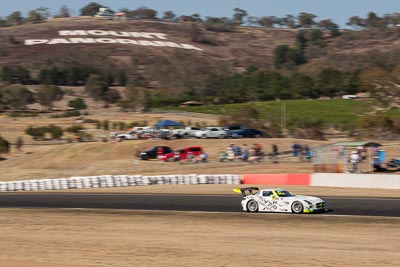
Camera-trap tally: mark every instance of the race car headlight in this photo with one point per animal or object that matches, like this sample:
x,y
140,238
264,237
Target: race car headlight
x,y
309,203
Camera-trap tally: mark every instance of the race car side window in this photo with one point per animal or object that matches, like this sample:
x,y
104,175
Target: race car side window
x,y
267,193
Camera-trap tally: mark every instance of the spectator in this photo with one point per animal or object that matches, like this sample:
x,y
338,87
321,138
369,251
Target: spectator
x,y
275,153
308,153
354,160
295,149
236,150
229,154
203,157
177,156
223,156
245,153
103,137
253,157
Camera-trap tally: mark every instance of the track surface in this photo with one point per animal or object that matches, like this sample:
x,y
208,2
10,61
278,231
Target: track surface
x,y
215,203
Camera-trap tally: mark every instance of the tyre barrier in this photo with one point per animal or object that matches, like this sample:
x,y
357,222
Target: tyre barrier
x,y
80,182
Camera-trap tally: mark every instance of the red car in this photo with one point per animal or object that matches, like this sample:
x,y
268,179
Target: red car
x,y
183,153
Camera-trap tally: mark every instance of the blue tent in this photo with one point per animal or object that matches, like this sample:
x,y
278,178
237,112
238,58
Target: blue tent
x,y
167,123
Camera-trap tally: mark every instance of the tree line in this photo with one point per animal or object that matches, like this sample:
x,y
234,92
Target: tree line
x,y
239,17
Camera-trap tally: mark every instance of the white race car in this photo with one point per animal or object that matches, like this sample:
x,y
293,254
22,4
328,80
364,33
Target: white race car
x,y
278,200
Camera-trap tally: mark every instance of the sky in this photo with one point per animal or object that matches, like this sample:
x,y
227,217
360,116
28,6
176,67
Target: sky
x,y
337,10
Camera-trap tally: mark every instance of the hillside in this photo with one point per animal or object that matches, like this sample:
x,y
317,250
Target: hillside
x,y
181,55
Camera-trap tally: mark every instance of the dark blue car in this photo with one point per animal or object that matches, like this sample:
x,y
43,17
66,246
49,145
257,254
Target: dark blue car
x,y
244,133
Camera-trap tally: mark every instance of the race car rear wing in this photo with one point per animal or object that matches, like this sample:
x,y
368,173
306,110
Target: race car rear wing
x,y
247,190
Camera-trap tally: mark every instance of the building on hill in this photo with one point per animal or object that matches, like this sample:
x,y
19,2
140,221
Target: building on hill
x,y
104,12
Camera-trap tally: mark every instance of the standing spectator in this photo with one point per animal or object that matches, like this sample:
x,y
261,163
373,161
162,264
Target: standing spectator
x,y
245,153
295,149
308,153
354,160
275,152
236,150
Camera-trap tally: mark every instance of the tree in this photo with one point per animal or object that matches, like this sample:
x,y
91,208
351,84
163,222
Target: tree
x,y
90,9
22,75
77,103
38,15
373,21
111,96
131,97
17,96
332,27
239,15
7,74
356,22
122,79
47,94
55,131
169,15
37,133
64,12
141,13
330,82
15,18
95,87
289,21
306,20
4,146
267,21
284,55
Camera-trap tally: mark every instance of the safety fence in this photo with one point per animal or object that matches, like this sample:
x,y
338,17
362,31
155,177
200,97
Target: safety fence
x,y
116,181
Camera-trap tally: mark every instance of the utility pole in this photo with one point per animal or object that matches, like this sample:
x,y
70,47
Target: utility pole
x,y
283,120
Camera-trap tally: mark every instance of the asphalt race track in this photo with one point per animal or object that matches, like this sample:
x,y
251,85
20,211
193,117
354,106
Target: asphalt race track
x,y
361,206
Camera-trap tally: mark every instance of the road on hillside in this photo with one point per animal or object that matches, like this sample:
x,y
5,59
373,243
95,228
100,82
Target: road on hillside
x,y
360,206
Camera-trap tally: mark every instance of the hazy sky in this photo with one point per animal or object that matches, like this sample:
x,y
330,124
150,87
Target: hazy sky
x,y
337,10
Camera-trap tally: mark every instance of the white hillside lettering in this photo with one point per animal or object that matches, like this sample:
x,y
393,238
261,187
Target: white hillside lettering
x,y
144,39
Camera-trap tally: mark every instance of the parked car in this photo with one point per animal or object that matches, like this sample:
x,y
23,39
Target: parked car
x,y
232,127
136,133
185,132
211,132
183,153
153,152
244,133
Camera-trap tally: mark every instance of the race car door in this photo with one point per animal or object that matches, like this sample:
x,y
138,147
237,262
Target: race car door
x,y
269,200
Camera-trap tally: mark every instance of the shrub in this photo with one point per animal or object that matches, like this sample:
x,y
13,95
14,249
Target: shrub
x,y
4,146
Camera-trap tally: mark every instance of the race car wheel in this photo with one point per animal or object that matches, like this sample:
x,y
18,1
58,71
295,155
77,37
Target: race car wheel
x,y
297,207
252,206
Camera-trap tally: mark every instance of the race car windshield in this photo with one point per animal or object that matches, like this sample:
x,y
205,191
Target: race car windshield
x,y
283,193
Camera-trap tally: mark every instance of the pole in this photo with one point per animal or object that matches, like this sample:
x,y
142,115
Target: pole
x,y
283,120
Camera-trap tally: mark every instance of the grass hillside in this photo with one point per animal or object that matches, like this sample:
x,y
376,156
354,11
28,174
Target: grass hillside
x,y
338,113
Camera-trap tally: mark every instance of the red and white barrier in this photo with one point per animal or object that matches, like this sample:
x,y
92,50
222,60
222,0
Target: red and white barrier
x,y
326,179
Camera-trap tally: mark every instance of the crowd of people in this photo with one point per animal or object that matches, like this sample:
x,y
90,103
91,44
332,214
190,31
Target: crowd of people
x,y
251,154
302,152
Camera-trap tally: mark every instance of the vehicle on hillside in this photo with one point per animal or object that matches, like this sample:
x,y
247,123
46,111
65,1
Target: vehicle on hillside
x,y
232,127
137,133
154,152
278,200
245,133
183,153
211,132
185,132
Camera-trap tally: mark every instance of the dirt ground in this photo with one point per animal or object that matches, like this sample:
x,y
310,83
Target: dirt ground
x,y
63,238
